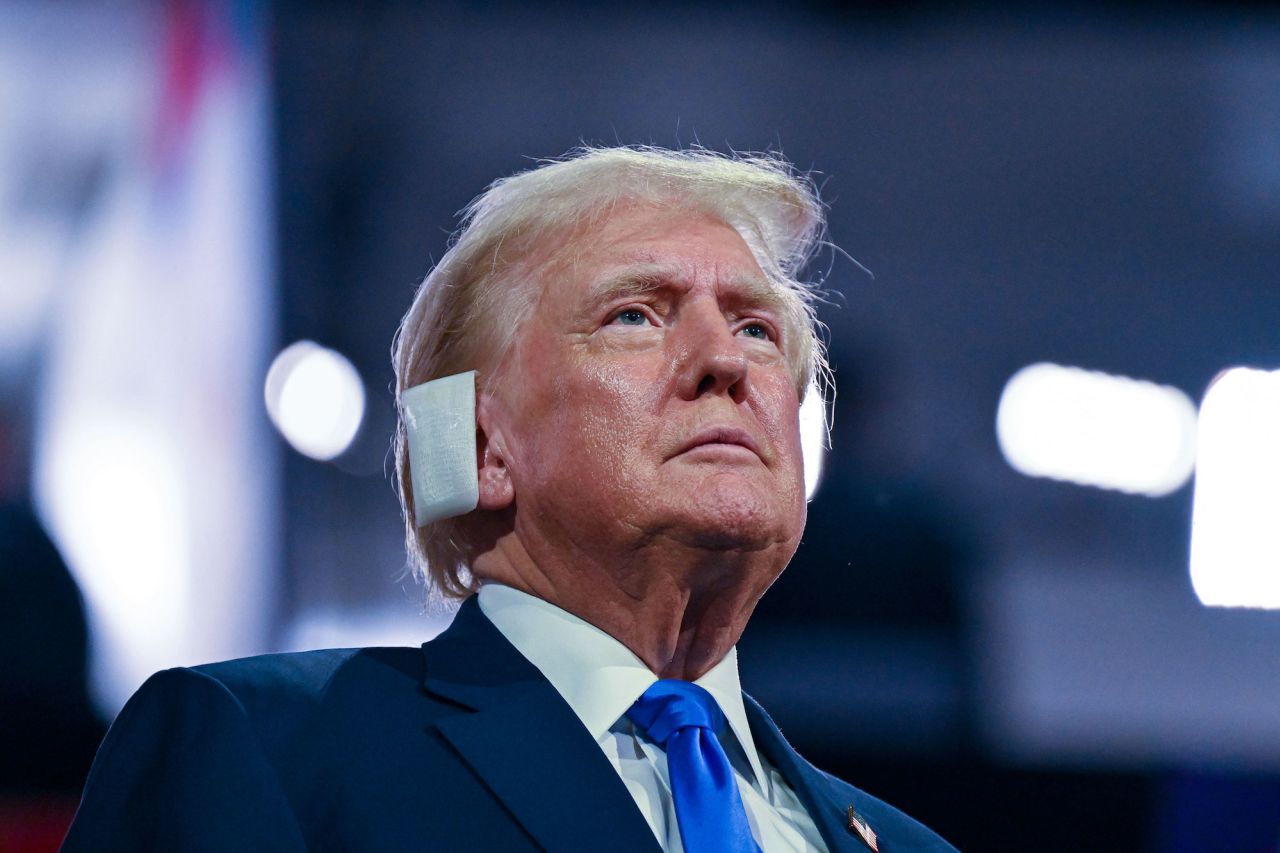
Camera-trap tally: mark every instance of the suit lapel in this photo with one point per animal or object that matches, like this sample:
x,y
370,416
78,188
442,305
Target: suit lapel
x,y
526,744
829,815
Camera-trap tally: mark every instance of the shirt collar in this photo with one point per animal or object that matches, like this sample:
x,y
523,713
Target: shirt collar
x,y
598,676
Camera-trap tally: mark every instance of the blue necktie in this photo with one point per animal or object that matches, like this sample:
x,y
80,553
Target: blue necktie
x,y
683,719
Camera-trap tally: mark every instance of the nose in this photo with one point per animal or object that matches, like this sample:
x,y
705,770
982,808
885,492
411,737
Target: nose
x,y
710,358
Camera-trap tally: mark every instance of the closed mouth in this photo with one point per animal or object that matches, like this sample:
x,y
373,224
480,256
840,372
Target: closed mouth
x,y
731,436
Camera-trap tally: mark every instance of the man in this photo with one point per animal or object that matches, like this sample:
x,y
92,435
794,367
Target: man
x,y
640,348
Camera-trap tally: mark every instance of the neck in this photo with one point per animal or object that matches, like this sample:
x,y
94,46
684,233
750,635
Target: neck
x,y
680,609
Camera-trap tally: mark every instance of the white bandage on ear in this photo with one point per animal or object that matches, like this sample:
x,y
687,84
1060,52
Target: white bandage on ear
x,y
440,423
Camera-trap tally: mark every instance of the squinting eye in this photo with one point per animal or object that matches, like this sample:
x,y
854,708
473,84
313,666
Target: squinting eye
x,y
631,317
757,331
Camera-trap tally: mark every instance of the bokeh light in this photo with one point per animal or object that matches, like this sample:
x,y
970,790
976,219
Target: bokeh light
x,y
315,398
1235,540
1096,429
814,438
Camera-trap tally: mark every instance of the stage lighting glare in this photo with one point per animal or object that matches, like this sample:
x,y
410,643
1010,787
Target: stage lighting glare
x,y
315,398
1235,521
117,487
814,438
1096,429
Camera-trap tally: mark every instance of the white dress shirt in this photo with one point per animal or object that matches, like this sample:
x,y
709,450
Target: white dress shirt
x,y
600,679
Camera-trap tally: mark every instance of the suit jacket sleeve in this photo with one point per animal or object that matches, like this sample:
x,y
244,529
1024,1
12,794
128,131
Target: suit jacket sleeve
x,y
183,769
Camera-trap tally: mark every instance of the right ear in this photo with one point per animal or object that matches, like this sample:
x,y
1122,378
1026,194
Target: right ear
x,y
497,491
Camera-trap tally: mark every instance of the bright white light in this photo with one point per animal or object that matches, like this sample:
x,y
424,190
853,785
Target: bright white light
x,y
1096,429
813,438
115,492
315,398
1235,525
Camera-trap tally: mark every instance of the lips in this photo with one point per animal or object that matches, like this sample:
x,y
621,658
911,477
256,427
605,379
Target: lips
x,y
720,435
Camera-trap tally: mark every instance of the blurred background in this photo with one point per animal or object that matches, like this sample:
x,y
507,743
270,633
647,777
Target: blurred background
x,y
1038,601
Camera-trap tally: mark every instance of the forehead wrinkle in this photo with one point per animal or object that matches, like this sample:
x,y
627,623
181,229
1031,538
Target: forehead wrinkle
x,y
635,280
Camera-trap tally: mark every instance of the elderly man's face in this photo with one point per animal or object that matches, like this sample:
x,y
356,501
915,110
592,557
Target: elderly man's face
x,y
649,395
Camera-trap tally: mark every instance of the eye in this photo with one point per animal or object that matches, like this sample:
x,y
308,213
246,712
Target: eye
x,y
630,317
759,331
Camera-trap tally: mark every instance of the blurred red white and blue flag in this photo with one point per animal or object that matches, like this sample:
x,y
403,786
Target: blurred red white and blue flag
x,y
136,198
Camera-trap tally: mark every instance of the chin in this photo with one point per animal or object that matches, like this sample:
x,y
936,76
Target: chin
x,y
727,517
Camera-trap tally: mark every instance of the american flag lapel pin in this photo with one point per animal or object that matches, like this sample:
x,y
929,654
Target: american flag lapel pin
x,y
859,825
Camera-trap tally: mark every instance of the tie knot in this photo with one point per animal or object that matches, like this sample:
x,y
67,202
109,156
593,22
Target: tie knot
x,y
671,705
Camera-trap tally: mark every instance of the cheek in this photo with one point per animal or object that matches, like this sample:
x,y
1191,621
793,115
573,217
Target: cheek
x,y
609,405
593,419
779,416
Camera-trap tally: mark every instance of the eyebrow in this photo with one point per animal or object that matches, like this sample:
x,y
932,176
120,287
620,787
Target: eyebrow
x,y
644,279
633,281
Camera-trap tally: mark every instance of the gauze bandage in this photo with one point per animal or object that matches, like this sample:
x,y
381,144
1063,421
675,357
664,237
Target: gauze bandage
x,y
440,424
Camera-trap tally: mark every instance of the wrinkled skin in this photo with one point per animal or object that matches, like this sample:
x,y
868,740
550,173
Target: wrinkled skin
x,y
640,459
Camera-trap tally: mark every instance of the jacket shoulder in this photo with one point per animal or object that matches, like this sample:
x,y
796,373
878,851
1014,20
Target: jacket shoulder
x,y
283,694
225,752
309,677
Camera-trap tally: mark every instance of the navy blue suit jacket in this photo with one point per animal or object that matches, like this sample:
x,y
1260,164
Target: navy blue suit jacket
x,y
459,745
